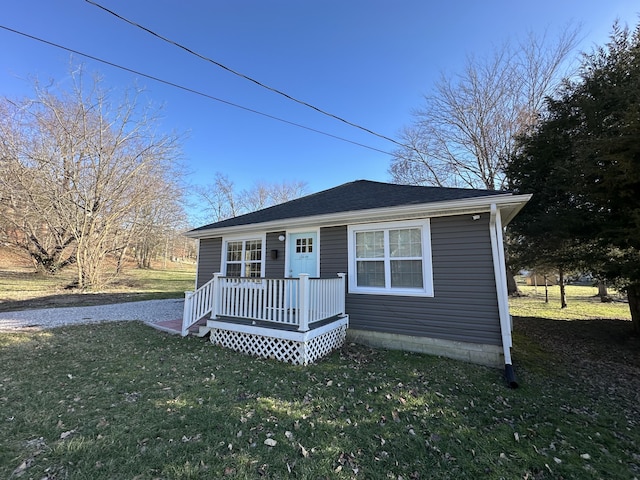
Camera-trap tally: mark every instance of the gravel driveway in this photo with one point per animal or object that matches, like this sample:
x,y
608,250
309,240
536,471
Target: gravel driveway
x,y
146,311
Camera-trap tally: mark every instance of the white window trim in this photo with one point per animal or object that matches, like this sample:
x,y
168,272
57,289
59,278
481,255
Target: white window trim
x,y
244,238
427,264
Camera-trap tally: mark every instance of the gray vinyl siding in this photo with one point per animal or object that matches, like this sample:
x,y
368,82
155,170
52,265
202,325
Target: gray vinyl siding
x,y
209,256
333,251
464,306
274,268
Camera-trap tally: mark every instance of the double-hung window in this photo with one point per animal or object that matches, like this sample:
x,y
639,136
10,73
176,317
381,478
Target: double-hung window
x,y
244,258
391,258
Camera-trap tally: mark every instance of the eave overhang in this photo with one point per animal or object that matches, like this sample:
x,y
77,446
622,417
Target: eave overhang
x,y
508,204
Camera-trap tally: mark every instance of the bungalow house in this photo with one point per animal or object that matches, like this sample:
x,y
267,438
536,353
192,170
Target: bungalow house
x,y
397,266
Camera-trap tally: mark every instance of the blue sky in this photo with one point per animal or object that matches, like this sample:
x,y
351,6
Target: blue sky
x,y
368,61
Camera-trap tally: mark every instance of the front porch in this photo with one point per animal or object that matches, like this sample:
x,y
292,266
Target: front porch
x,y
295,320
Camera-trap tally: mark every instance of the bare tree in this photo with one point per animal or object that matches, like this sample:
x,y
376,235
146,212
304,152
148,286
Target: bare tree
x,y
83,165
262,194
154,223
465,132
28,216
222,200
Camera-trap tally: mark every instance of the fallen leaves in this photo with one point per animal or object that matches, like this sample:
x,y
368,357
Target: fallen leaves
x,y
303,451
36,447
67,434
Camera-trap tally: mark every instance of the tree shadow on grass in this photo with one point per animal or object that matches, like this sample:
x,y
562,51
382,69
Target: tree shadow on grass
x,y
594,340
599,357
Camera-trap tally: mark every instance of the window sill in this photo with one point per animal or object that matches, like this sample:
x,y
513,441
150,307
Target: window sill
x,y
397,292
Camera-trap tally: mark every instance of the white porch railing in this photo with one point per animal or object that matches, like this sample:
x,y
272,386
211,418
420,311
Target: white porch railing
x,y
290,301
197,304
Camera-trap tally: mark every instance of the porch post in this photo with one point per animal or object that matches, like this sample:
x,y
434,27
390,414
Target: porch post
x,y
215,295
303,302
343,292
187,313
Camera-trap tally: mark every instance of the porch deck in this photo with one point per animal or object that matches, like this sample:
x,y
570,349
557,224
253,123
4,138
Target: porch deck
x,y
278,341
296,320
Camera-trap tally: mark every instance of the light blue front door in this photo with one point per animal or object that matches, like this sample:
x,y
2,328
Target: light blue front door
x,y
303,254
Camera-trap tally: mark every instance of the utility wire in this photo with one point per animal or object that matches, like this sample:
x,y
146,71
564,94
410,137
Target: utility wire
x,y
246,77
191,90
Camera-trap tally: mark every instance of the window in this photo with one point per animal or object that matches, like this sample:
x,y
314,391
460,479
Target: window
x,y
244,258
304,245
391,258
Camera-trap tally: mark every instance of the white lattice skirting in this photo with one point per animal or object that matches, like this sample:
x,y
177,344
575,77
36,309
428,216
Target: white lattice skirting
x,y
297,348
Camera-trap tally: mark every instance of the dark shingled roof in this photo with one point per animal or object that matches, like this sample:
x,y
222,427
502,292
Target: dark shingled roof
x,y
352,196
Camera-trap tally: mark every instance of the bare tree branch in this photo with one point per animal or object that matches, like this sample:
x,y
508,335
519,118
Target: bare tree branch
x,y
465,132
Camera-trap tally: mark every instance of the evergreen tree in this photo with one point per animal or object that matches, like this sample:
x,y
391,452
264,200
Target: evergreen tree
x,y
582,163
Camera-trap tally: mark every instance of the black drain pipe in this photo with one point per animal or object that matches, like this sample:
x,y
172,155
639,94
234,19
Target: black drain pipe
x,y
510,376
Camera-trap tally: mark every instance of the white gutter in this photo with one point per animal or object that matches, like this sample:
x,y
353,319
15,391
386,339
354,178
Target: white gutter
x,y
499,269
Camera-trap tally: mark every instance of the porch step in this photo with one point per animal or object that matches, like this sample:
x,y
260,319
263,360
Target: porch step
x,y
174,327
202,330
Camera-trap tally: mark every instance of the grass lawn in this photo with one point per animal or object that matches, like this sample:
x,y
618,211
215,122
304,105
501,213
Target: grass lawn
x,y
22,289
121,400
582,304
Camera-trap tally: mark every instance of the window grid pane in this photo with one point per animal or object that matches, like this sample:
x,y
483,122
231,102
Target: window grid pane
x,y
244,258
253,250
405,243
252,270
370,244
234,251
370,274
233,269
389,258
406,274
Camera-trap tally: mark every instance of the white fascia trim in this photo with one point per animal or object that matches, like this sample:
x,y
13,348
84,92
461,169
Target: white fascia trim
x,y
508,202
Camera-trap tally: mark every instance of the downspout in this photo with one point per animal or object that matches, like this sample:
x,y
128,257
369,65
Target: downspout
x,y
497,248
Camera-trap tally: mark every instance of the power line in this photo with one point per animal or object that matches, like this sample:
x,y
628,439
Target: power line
x,y
191,90
241,75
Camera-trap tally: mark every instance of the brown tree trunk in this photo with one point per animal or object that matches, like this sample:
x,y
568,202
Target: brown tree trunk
x,y
563,295
512,286
633,294
602,291
546,290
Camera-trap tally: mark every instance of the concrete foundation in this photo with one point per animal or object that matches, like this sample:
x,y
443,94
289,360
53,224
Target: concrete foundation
x,y
483,354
